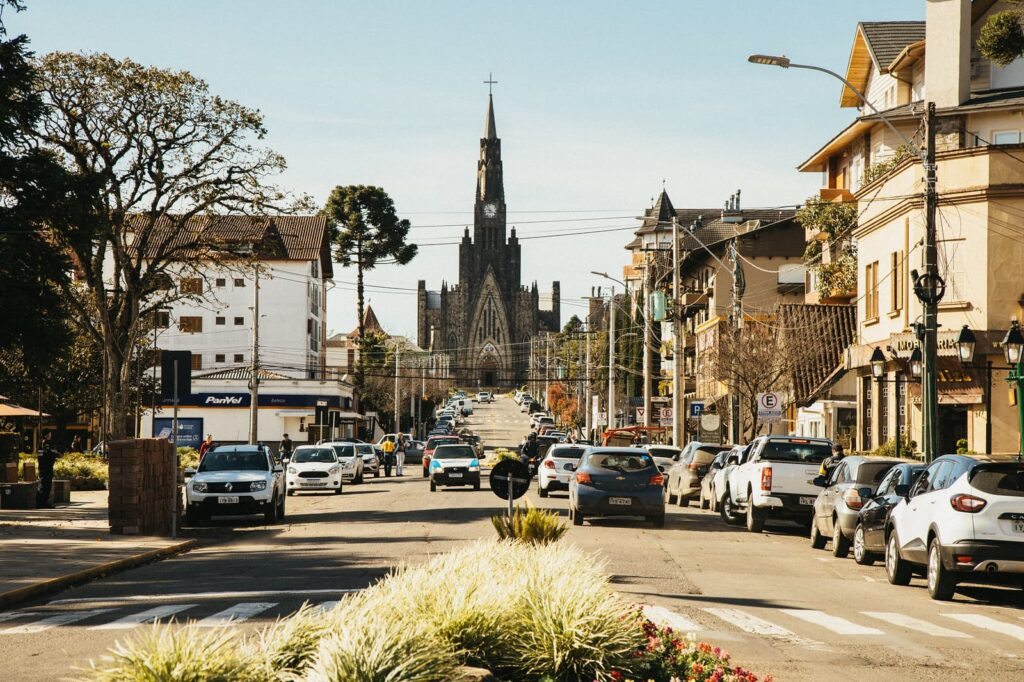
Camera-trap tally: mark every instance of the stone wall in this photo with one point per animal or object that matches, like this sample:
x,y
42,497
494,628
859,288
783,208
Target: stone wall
x,y
143,487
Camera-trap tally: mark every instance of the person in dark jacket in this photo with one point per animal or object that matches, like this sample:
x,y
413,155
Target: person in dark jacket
x,y
47,458
830,463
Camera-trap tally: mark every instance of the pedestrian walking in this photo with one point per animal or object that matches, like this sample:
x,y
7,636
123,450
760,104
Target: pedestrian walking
x,y
286,447
46,460
205,446
388,448
76,443
399,454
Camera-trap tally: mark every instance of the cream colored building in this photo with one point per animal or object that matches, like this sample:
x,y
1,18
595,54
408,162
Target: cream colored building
x,y
980,168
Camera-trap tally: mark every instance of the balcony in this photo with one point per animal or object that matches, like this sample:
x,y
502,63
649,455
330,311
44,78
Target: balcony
x,y
835,194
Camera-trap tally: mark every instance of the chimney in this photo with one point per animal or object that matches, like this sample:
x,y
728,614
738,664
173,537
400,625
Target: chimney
x,y
737,205
947,74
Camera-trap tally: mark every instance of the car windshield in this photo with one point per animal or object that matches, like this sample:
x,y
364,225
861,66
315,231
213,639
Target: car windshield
x,y
366,449
999,479
872,473
621,461
566,453
348,450
231,460
321,455
669,453
434,442
706,453
795,451
454,452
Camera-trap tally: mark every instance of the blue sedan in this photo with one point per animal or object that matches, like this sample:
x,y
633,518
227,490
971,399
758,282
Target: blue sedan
x,y
617,482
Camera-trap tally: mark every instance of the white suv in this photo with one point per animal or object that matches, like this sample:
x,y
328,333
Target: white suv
x,y
962,520
236,479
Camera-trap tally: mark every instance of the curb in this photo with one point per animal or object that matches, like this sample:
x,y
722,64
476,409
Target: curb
x,y
13,597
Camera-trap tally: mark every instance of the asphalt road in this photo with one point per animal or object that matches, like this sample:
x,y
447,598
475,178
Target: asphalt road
x,y
777,605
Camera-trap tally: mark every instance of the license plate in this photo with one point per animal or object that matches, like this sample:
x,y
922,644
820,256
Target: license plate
x,y
1018,525
620,501
807,501
454,475
315,483
227,499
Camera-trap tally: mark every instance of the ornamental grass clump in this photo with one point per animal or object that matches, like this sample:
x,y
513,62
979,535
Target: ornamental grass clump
x,y
530,525
289,646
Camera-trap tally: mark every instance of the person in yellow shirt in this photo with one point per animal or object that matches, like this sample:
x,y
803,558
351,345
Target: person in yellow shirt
x,y
388,447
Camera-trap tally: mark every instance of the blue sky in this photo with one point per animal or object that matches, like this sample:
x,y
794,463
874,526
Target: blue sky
x,y
596,103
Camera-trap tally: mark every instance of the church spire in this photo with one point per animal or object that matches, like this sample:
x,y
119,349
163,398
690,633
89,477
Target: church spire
x,y
490,130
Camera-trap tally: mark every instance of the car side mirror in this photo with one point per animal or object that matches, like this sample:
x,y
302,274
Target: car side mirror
x,y
865,493
903,490
820,481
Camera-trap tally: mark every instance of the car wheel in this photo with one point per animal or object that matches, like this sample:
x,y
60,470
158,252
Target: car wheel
x,y
658,520
860,553
270,513
358,479
192,516
376,474
840,545
577,518
941,582
476,486
714,500
755,517
280,509
541,490
433,487
290,493
666,493
818,540
338,491
703,500
896,569
727,511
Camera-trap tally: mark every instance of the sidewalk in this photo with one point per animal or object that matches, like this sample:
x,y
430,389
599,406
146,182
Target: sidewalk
x,y
45,550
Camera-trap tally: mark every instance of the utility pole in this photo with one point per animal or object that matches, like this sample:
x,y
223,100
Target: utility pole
x,y
580,378
647,340
930,291
547,364
419,403
737,326
611,360
254,369
398,404
678,352
586,386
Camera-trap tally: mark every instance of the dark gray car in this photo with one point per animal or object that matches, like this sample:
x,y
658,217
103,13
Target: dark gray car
x,y
682,480
848,488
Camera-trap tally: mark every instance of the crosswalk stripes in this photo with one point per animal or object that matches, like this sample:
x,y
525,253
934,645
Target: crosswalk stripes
x,y
758,626
838,625
986,623
53,621
148,616
238,613
915,624
668,618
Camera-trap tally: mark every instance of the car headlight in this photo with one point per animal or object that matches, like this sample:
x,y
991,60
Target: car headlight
x,y
436,464
258,485
292,470
334,470
198,486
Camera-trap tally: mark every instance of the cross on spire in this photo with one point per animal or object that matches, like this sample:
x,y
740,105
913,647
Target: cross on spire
x,y
490,82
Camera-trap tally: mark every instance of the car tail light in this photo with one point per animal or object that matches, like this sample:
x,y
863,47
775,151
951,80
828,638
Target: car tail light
x,y
964,559
853,499
549,464
766,479
656,479
584,478
967,503
693,466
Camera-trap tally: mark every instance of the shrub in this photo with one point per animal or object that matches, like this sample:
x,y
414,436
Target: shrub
x,y
188,457
502,454
888,448
1002,37
84,470
289,646
530,525
666,656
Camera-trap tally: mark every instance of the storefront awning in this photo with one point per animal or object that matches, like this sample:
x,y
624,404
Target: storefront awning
x,y
955,384
294,413
8,410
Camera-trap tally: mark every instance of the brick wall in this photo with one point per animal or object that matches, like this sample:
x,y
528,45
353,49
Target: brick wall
x,y
143,486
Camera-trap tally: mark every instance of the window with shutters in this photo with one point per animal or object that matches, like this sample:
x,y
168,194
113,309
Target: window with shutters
x,y
197,361
871,292
191,285
190,324
239,282
161,319
896,281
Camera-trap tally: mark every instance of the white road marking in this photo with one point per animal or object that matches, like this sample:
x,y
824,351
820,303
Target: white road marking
x,y
53,621
748,623
147,616
869,579
238,613
665,617
915,624
822,559
838,625
986,623
11,615
202,595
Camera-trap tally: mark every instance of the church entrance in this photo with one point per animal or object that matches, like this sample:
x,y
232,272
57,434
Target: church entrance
x,y
488,372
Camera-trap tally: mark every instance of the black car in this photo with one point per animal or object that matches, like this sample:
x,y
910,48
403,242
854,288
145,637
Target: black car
x,y
869,533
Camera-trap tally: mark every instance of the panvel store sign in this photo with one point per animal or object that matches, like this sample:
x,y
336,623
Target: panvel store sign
x,y
243,400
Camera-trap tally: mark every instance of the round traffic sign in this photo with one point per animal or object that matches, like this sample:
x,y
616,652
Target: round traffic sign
x,y
506,471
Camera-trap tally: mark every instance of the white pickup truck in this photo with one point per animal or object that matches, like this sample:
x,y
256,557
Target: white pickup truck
x,y
777,479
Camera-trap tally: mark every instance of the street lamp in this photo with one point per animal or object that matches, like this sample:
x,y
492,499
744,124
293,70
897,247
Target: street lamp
x,y
1013,344
915,363
877,363
965,344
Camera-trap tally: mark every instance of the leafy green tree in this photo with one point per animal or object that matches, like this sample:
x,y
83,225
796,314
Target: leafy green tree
x,y
169,154
1002,36
369,233
835,221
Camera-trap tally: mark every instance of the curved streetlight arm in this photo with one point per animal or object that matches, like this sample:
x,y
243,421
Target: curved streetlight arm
x,y
786,64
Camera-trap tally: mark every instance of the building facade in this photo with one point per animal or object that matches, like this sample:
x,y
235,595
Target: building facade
x,y
486,320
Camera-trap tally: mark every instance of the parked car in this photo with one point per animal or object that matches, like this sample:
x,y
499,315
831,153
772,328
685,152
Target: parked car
x,y
351,465
869,533
707,482
962,520
432,444
845,490
682,482
313,468
723,501
413,452
776,481
617,482
557,468
371,459
484,397
454,465
235,480
664,455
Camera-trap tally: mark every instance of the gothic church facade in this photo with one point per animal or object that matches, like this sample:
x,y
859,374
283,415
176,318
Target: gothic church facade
x,y
486,320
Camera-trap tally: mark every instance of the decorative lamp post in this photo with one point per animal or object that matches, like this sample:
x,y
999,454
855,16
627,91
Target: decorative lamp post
x,y
915,363
877,363
878,372
1013,349
965,344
